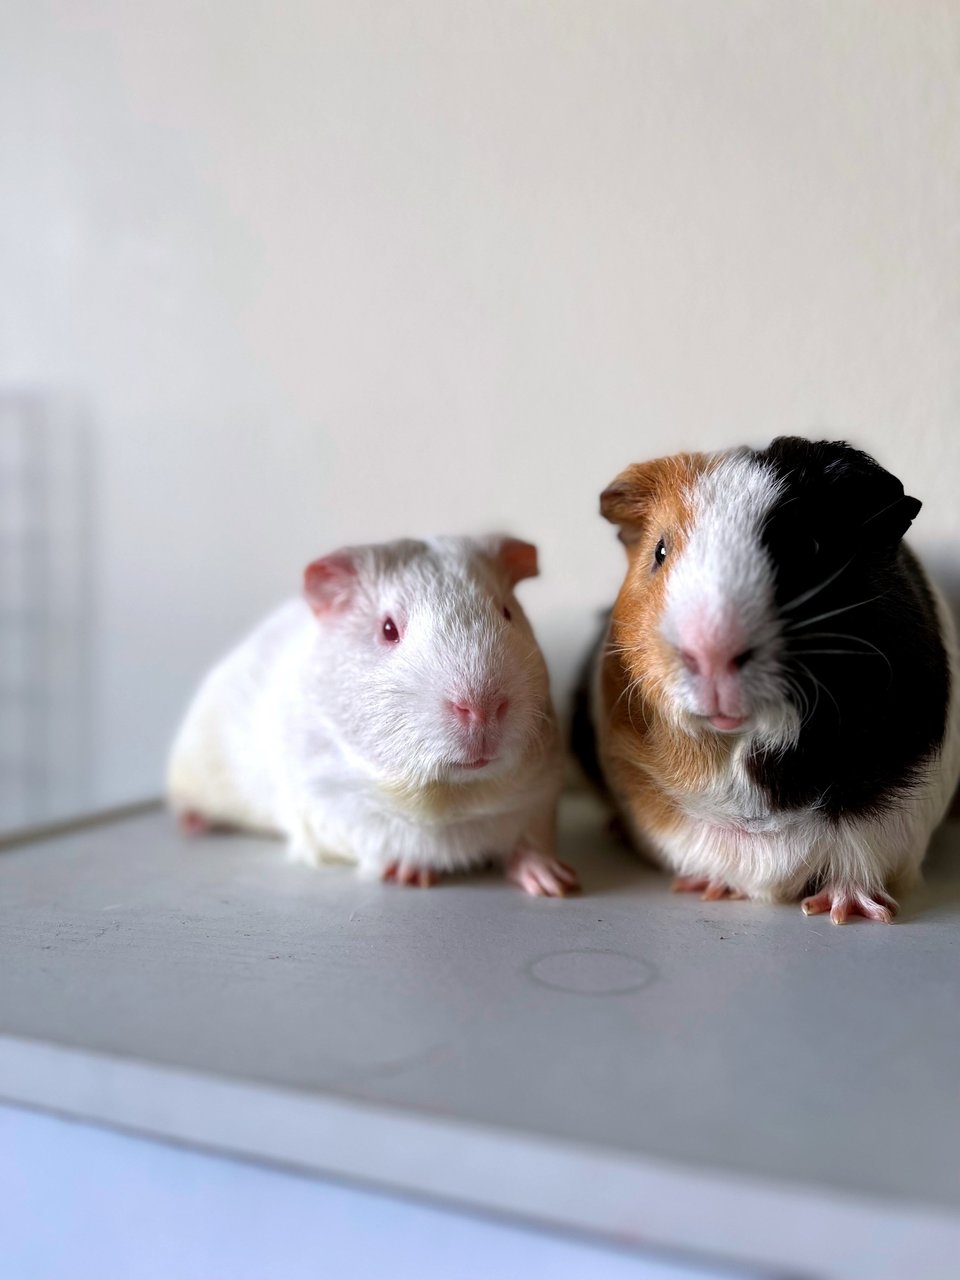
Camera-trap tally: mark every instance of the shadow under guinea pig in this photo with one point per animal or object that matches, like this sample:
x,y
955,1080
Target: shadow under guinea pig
x,y
939,889
589,839
944,568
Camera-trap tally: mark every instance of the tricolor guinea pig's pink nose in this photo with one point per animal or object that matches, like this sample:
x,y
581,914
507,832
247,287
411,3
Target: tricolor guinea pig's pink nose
x,y
715,653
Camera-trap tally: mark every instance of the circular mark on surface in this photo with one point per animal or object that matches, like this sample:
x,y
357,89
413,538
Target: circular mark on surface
x,y
592,972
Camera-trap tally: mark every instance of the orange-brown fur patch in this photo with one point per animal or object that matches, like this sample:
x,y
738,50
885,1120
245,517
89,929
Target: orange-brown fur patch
x,y
647,759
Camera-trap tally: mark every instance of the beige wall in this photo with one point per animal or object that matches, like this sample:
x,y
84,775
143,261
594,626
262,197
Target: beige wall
x,y
317,272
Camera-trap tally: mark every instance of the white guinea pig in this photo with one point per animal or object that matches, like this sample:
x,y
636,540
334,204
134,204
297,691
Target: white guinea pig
x,y
775,705
398,717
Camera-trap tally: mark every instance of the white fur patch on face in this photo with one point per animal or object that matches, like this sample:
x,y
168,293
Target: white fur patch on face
x,y
721,591
456,647
724,566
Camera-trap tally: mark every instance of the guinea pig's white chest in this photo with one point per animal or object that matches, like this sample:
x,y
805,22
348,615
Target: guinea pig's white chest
x,y
731,799
732,834
443,827
430,834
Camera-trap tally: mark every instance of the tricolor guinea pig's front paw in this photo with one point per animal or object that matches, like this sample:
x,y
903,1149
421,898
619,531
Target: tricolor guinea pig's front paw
x,y
541,875
843,903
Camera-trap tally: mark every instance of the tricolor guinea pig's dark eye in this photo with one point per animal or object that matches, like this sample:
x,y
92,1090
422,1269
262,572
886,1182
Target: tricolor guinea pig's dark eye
x,y
390,631
660,554
506,612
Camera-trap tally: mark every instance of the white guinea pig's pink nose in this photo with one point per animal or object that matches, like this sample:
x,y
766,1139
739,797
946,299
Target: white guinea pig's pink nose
x,y
479,711
715,656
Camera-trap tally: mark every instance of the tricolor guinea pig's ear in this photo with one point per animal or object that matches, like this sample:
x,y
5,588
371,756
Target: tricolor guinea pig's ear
x,y
514,557
329,583
626,501
868,499
875,496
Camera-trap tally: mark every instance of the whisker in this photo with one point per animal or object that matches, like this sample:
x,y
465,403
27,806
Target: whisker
x,y
794,688
870,649
623,692
808,595
838,635
846,653
808,622
877,514
816,694
636,688
806,707
628,690
841,635
819,686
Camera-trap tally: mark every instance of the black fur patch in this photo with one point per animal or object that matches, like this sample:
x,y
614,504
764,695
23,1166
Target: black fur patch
x,y
873,676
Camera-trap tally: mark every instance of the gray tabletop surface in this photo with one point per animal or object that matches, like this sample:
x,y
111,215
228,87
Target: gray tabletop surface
x,y
725,1035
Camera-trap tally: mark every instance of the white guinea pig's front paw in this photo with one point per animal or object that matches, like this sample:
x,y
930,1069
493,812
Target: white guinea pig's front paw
x,y
540,875
411,873
709,890
193,823
842,903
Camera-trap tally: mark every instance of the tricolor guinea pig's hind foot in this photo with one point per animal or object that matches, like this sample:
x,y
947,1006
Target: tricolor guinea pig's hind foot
x,y
709,890
844,903
541,875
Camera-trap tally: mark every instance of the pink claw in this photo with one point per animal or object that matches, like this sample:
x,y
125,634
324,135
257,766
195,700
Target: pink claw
x,y
710,890
193,823
540,875
409,873
846,903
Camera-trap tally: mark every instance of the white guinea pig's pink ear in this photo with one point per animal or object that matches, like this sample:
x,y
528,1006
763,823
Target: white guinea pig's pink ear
x,y
328,583
517,559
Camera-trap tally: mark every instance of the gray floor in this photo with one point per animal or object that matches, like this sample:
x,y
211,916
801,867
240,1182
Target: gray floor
x,y
722,1036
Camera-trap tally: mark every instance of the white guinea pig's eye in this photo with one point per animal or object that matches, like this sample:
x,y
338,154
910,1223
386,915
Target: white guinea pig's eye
x,y
660,554
390,631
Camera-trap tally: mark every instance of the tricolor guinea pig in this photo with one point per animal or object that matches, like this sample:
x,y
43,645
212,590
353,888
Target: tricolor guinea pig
x,y
773,705
398,716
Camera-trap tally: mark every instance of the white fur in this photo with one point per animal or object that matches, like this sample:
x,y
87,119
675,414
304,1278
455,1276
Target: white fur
x,y
724,574
313,728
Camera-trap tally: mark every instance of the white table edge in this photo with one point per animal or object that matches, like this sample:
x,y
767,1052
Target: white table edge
x,y
793,1229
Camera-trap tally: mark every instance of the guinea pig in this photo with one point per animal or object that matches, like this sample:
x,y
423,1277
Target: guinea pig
x,y
398,716
773,703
